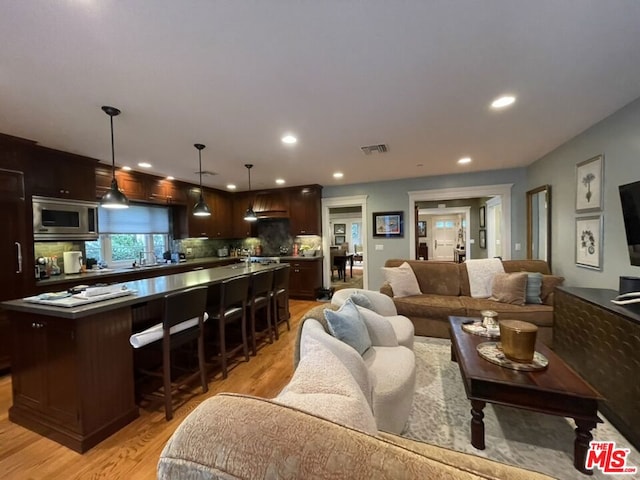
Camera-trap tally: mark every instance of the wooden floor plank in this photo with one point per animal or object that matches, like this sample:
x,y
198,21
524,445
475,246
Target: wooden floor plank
x,y
133,452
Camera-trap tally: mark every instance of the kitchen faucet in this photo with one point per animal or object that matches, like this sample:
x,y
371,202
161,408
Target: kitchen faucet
x,y
143,258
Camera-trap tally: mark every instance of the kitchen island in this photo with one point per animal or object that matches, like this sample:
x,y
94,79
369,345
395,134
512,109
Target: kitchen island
x,y
72,368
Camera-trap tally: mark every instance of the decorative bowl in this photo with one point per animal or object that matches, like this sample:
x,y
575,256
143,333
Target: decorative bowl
x,y
518,340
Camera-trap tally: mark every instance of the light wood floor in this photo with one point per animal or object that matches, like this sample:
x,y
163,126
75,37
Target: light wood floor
x,y
133,452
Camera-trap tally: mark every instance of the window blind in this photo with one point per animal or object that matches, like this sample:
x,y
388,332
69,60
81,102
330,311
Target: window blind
x,y
135,219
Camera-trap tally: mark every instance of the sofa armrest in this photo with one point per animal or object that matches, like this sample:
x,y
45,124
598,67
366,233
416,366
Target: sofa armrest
x,y
237,437
386,289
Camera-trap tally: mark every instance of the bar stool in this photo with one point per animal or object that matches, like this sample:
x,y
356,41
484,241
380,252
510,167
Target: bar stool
x,y
183,318
260,299
280,298
227,303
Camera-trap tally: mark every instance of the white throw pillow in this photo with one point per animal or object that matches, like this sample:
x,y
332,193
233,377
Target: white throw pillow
x,y
402,280
380,329
322,386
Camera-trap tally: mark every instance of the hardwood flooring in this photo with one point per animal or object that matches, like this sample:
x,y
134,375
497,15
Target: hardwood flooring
x,y
133,452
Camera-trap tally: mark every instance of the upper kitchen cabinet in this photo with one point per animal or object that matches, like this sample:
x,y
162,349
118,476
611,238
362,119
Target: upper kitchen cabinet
x,y
221,211
199,226
304,210
242,228
132,184
52,173
161,190
271,203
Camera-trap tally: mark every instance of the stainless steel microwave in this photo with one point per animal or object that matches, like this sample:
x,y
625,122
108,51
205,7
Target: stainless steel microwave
x,y
59,219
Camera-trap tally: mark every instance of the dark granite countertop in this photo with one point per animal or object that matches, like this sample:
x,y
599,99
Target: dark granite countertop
x,y
147,289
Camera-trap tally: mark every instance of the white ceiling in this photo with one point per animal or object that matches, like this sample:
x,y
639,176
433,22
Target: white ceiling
x,y
236,75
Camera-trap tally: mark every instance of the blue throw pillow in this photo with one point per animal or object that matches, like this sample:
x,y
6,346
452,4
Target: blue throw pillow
x,y
362,300
346,325
534,287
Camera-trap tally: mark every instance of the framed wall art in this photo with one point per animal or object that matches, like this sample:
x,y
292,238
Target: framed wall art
x,y
588,246
388,224
483,216
422,228
340,239
483,238
339,228
589,184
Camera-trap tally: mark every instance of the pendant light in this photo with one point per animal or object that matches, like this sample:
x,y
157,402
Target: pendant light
x,y
200,209
250,215
114,198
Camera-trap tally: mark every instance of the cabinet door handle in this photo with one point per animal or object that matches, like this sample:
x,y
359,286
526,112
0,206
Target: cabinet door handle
x,y
19,248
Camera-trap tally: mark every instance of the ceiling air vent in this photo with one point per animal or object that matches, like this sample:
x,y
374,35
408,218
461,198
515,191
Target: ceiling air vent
x,y
369,149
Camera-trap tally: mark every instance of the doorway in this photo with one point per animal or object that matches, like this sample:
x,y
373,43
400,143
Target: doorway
x,y
494,227
329,238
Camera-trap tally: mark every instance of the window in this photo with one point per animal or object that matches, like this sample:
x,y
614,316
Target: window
x,y
356,239
128,235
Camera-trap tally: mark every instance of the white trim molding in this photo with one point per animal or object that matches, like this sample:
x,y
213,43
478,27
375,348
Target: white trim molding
x,y
337,202
452,210
504,190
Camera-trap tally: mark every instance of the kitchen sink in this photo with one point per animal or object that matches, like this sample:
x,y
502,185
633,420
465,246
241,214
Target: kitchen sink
x,y
149,265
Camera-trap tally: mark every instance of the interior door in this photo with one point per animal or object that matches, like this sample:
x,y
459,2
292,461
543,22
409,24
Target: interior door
x,y
444,237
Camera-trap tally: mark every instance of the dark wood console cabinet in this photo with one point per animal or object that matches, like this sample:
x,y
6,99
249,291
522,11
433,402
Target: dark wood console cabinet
x,y
305,278
601,341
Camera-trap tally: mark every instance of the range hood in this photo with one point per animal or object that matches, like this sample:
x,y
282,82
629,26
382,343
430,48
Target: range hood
x,y
271,204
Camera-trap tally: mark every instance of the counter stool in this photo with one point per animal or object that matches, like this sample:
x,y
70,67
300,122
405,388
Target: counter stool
x,y
280,298
183,317
227,303
260,299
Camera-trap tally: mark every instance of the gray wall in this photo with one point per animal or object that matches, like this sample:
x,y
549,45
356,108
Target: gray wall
x,y
392,195
618,138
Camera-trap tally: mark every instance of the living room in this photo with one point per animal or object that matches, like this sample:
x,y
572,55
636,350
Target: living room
x,y
588,106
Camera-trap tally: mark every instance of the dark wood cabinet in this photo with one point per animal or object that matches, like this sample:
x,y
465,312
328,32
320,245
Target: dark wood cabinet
x,y
221,216
199,226
304,210
161,190
240,227
52,173
72,378
132,184
305,278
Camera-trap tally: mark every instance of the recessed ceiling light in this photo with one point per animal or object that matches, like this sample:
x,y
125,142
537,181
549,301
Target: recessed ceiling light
x,y
464,160
170,178
144,165
231,186
503,101
338,175
280,181
289,139
126,168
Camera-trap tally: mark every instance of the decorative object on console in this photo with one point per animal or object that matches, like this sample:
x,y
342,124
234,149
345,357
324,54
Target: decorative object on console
x,y
250,215
492,352
114,198
200,209
589,176
589,242
388,224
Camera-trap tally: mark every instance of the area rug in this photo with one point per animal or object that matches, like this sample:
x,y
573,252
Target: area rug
x,y
441,413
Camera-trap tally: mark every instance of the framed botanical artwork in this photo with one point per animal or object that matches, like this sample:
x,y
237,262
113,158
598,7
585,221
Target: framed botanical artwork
x,y
589,233
388,224
589,184
422,228
483,238
339,228
483,217
340,239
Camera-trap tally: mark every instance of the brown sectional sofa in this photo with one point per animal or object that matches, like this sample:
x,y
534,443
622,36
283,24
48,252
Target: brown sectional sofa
x,y
445,291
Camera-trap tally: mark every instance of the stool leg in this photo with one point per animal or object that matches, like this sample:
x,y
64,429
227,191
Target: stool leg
x,y
203,373
254,349
223,345
274,305
269,328
245,343
166,375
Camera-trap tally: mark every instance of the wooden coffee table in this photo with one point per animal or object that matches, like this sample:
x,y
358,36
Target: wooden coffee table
x,y
557,390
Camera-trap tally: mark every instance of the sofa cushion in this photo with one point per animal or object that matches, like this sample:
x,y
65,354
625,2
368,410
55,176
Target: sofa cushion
x,y
345,324
402,279
322,385
534,287
509,288
361,300
540,315
380,329
438,278
549,283
509,266
430,306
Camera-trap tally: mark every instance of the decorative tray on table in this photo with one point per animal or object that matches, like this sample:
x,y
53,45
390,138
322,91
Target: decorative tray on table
x,y
492,352
476,328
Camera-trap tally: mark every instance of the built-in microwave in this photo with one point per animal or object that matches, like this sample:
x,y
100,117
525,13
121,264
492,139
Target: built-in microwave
x,y
60,219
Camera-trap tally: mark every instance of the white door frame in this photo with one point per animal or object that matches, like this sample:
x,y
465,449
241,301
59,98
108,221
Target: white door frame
x,y
446,211
491,231
336,202
464,192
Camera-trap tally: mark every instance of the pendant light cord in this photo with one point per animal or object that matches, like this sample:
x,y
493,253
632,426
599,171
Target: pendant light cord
x,y
113,153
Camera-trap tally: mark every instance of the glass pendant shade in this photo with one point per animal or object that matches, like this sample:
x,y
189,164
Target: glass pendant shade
x,y
114,198
200,209
250,215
